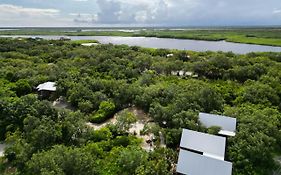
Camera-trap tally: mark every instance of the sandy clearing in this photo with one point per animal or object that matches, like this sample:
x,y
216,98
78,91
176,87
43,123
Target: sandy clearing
x,y
2,147
136,128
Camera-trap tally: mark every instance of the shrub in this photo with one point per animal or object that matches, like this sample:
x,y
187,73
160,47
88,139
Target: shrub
x,y
106,110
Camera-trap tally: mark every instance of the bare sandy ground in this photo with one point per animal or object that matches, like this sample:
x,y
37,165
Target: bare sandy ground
x,y
2,147
137,127
278,171
142,120
61,103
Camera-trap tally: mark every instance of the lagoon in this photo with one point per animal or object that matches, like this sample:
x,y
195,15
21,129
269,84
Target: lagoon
x,y
166,43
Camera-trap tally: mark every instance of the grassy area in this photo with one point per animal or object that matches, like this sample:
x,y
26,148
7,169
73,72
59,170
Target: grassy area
x,y
83,41
261,36
256,40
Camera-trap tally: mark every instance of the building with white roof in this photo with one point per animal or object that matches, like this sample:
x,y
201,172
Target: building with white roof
x,y
202,154
227,124
191,163
46,90
207,144
48,86
89,44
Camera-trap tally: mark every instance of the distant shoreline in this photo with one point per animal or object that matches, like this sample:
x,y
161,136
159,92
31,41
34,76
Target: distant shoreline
x,y
267,36
159,43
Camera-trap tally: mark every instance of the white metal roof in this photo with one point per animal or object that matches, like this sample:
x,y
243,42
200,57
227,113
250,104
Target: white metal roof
x,y
48,86
89,44
208,144
227,124
227,133
190,163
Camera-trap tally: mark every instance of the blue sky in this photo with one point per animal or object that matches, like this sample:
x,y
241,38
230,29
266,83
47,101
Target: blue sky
x,y
139,12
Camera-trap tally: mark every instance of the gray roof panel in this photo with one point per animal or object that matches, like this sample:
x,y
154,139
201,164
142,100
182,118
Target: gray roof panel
x,y
206,143
190,163
227,124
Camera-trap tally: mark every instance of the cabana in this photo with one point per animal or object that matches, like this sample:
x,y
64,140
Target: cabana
x,y
46,89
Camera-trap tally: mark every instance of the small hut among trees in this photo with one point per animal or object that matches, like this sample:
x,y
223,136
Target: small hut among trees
x,y
46,90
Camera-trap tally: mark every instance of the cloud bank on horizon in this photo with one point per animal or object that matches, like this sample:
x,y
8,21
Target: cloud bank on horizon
x,y
139,12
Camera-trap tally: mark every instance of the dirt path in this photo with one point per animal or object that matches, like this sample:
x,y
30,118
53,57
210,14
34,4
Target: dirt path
x,y
2,147
278,171
136,128
162,140
61,103
101,125
142,118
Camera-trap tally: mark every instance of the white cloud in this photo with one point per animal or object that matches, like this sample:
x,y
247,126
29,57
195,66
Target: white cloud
x,y
277,11
12,15
12,10
80,14
81,0
147,11
109,11
127,11
141,12
85,18
187,12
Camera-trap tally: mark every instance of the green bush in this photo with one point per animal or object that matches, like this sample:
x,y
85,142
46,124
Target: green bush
x,y
98,118
214,130
106,110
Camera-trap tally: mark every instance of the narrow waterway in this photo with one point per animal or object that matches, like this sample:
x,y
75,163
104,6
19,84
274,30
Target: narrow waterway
x,y
180,44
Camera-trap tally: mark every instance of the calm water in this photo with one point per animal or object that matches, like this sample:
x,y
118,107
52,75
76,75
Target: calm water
x,y
181,44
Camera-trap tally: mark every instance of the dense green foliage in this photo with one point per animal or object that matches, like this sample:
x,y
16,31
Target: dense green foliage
x,y
106,110
262,36
100,80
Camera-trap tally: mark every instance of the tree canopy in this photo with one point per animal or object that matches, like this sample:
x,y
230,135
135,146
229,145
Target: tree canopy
x,y
99,81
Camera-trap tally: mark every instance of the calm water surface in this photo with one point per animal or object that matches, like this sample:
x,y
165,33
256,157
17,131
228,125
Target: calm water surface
x,y
181,44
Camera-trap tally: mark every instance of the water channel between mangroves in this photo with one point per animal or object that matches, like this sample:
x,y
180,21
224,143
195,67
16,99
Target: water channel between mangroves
x,y
180,44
